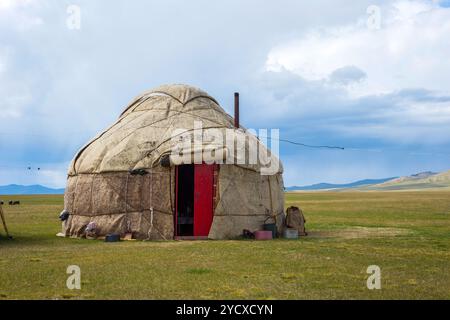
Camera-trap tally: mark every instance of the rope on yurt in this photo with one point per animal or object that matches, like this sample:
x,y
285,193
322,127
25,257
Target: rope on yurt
x,y
74,203
92,195
270,195
152,226
152,211
151,205
127,220
170,190
271,214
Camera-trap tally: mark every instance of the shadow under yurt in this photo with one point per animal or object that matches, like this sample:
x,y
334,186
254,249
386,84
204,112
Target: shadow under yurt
x,y
160,172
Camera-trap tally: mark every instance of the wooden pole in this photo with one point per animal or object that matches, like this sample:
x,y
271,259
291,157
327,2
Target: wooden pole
x,y
4,222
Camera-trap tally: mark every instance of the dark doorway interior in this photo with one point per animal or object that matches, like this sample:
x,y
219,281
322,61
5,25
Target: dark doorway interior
x,y
185,200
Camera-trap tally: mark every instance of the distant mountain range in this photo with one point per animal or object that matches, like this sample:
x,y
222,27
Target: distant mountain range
x,y
14,189
322,186
420,181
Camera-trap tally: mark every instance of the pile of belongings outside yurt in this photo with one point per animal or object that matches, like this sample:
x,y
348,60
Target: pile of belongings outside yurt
x,y
294,226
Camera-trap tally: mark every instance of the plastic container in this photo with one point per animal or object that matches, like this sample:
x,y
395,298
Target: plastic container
x,y
272,227
112,238
291,233
263,235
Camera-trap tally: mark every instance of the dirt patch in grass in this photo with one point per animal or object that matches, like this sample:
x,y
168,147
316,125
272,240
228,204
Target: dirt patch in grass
x,y
360,232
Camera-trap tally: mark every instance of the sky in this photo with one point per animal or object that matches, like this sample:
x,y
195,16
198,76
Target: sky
x,y
370,76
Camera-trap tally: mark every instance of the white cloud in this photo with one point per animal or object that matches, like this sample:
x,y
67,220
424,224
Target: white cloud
x,y
410,50
323,111
7,4
16,14
348,81
14,93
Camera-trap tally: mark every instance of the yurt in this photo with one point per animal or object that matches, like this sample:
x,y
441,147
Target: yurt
x,y
174,166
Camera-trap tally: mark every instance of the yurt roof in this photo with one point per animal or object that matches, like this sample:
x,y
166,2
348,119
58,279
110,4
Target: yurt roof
x,y
143,132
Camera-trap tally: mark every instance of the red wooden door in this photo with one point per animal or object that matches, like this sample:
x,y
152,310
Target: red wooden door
x,y
203,199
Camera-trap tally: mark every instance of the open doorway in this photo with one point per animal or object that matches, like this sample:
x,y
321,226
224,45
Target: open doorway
x,y
195,189
185,201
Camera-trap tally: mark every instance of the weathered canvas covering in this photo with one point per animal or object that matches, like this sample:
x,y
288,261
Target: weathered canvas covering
x,y
101,189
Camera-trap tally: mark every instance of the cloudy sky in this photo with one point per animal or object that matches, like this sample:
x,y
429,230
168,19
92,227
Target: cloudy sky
x,y
370,76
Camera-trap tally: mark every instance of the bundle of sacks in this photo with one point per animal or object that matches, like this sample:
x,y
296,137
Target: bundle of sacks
x,y
296,220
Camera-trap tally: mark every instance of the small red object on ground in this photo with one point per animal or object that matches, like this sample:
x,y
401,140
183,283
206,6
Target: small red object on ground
x,y
263,235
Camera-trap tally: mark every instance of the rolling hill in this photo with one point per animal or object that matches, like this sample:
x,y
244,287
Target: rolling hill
x,y
421,181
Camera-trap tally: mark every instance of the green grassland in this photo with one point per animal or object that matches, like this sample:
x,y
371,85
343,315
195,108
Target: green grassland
x,y
407,234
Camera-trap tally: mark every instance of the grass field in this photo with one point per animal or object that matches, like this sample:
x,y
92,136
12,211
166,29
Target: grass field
x,y
407,234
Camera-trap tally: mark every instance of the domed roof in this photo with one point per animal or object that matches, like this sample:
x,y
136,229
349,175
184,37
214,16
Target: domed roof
x,y
179,92
144,131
